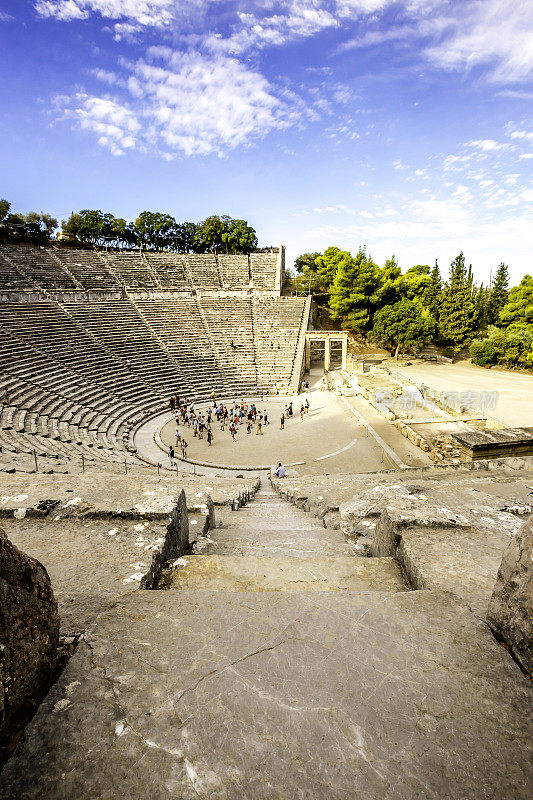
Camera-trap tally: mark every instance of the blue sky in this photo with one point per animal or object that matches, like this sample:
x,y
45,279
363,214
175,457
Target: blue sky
x,y
401,125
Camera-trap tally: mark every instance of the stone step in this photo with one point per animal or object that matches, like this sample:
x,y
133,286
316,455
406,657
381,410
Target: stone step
x,y
263,695
270,543
282,520
308,574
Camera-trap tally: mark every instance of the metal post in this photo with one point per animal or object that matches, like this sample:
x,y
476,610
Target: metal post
x,y
82,463
177,473
125,467
158,468
382,456
194,469
35,459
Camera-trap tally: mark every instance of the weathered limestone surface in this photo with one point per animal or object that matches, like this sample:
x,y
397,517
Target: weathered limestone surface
x,y
511,606
462,561
448,530
260,574
107,495
454,547
93,560
504,478
174,544
273,696
29,630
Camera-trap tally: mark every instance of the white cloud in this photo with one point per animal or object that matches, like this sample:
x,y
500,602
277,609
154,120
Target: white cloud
x,y
185,103
528,135
495,34
116,127
488,145
376,37
144,12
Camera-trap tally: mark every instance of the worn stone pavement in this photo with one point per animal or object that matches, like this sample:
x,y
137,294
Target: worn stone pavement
x,y
261,691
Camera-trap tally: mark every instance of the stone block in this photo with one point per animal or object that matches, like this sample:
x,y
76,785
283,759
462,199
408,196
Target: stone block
x,y
175,543
29,630
510,612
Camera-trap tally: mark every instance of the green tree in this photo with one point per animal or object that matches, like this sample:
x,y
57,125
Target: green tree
x,y
239,237
433,294
209,236
416,283
457,317
186,237
39,227
390,282
355,291
155,231
405,325
499,295
306,263
306,272
327,266
5,205
225,235
519,307
483,352
481,300
94,227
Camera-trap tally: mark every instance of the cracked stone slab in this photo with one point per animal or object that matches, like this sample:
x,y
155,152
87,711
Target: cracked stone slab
x,y
260,574
226,696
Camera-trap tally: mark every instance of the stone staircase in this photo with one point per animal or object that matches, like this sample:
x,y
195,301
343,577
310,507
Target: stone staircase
x,y
272,546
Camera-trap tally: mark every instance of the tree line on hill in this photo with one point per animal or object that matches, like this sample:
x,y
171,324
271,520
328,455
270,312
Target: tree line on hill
x,y
405,311
151,231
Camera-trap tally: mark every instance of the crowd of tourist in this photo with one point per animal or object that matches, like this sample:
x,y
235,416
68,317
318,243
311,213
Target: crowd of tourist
x,y
233,419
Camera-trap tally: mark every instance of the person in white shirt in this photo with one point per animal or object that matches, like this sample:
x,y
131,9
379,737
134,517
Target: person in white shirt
x,y
280,471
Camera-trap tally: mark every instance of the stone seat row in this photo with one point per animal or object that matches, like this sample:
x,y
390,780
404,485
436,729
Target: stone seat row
x,y
68,269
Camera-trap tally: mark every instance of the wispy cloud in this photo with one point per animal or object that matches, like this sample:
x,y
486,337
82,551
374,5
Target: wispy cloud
x,y
184,103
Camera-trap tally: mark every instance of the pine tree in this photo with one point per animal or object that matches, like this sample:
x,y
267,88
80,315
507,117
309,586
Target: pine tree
x,y
457,316
354,294
481,300
389,291
433,296
499,295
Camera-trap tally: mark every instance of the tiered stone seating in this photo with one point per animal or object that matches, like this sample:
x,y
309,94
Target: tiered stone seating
x,y
277,328
11,279
170,269
235,271
78,373
131,268
54,424
87,267
179,326
39,266
263,267
121,329
203,269
230,323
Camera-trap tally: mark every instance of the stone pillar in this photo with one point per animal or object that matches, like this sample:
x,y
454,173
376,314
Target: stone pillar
x,y
307,354
326,354
345,353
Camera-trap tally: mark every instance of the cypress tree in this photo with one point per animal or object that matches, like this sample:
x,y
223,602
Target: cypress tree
x,y
499,295
433,296
457,317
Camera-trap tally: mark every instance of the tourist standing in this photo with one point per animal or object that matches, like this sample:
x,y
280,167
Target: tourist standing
x,y
282,422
